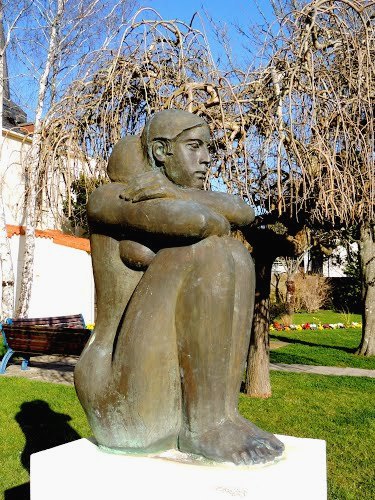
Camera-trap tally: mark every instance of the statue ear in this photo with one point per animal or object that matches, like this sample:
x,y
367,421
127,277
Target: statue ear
x,y
159,151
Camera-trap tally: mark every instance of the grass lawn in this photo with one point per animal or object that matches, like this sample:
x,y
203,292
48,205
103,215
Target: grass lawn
x,y
339,410
37,415
325,316
325,347
33,416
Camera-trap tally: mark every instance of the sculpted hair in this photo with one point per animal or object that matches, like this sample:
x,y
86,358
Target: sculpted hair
x,y
166,126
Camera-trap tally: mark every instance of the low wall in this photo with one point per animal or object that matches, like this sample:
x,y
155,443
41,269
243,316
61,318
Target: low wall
x,y
63,279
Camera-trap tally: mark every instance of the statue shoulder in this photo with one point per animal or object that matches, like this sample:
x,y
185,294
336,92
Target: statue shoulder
x,y
104,197
106,191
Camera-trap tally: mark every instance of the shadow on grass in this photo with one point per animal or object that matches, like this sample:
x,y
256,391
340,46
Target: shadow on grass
x,y
21,492
43,429
291,359
289,340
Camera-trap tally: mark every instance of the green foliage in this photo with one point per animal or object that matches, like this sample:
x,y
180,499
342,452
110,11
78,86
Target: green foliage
x,y
353,293
346,293
2,347
75,207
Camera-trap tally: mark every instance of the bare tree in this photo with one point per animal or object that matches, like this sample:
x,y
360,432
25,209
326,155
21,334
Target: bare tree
x,y
325,73
159,64
33,166
292,267
162,64
64,36
6,264
7,273
312,106
267,146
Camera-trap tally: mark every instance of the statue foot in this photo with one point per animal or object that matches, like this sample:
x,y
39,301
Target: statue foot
x,y
233,442
255,431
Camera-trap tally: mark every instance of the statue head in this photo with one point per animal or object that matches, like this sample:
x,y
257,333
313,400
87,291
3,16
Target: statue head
x,y
176,142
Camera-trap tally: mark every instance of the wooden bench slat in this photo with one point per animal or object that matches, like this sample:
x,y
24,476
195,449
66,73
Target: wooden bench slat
x,y
48,347
39,329
69,321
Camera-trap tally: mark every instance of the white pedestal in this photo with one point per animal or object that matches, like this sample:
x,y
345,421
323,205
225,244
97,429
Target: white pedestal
x,y
79,470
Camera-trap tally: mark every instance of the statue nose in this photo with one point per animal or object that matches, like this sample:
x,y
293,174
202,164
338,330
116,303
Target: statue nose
x,y
205,158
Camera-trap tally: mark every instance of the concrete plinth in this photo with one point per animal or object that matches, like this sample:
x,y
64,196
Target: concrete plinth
x,y
80,470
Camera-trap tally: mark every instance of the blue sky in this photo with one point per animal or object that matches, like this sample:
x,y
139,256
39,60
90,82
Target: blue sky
x,y
243,13
224,12
239,11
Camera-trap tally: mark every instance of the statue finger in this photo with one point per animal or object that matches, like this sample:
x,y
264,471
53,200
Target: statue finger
x,y
150,194
126,195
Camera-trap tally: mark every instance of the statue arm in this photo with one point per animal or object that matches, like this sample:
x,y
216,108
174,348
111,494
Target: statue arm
x,y
163,216
233,208
155,185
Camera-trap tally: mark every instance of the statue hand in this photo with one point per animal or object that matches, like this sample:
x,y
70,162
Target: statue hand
x,y
149,186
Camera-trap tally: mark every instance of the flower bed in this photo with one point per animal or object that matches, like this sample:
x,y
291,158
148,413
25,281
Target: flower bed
x,y
276,326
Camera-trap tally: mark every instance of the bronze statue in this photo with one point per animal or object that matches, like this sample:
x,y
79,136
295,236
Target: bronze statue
x,y
175,298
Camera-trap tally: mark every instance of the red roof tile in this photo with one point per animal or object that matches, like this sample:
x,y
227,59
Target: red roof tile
x,y
57,236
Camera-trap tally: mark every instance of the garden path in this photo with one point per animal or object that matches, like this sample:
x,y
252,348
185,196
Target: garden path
x,y
59,369
323,370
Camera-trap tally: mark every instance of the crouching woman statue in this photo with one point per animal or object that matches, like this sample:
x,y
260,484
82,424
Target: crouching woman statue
x,y
174,303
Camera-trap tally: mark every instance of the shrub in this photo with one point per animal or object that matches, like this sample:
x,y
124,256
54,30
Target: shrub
x,y
277,309
312,292
286,319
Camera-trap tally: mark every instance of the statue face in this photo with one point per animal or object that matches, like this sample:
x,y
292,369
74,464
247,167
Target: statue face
x,y
188,161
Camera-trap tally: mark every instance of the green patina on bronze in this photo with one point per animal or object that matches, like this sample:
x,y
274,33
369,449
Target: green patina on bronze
x,y
175,296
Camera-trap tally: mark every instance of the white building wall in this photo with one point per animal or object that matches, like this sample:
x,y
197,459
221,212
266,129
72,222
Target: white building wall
x,y
332,270
63,279
13,147
334,265
14,150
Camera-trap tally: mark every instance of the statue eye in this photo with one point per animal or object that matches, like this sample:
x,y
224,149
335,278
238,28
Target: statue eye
x,y
193,145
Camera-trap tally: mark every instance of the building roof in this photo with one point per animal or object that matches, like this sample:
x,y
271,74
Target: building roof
x,y
58,237
13,115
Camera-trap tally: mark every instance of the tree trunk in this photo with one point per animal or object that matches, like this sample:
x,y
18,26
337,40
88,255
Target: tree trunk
x,y
27,271
257,376
33,186
7,275
278,296
290,296
367,257
316,260
1,88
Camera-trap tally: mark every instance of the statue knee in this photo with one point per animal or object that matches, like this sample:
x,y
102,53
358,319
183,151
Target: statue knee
x,y
240,254
210,252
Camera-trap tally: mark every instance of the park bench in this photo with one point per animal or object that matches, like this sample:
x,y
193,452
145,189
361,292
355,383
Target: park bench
x,y
64,335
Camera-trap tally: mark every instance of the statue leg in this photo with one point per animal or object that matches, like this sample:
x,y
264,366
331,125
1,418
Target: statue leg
x,y
213,319
241,329
144,402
